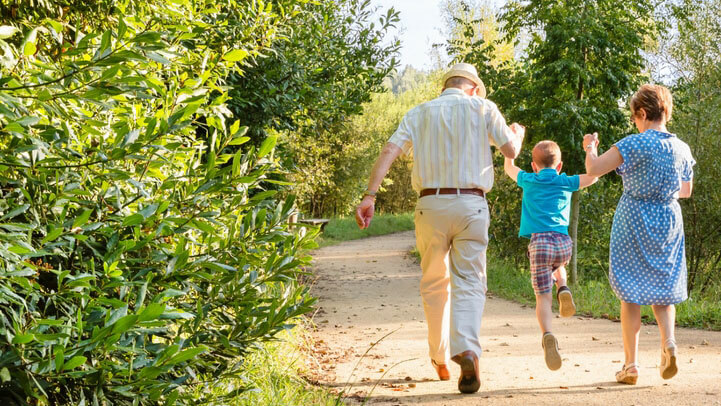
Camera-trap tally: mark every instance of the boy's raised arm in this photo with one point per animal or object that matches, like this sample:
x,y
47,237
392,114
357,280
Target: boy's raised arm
x,y
585,181
511,169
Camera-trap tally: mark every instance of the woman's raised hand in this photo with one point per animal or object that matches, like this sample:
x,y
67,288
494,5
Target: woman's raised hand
x,y
590,139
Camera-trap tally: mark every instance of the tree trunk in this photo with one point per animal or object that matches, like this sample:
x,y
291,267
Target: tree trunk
x,y
573,231
575,204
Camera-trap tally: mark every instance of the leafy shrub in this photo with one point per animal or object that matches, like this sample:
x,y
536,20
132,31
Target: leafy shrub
x,y
139,260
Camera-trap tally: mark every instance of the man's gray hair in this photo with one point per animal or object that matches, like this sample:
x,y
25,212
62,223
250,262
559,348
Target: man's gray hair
x,y
458,81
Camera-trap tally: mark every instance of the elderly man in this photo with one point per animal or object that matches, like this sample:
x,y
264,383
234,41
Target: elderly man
x,y
450,139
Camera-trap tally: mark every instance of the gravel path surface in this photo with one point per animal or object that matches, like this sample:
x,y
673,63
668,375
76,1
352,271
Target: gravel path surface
x,y
368,290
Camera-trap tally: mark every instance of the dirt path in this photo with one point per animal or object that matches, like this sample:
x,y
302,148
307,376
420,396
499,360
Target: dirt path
x,y
369,288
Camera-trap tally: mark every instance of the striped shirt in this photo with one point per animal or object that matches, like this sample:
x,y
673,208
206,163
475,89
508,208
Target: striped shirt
x,y
450,139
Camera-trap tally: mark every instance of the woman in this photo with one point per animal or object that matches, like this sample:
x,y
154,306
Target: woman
x,y
647,259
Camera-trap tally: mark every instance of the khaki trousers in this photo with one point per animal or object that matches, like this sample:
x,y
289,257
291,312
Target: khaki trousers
x,y
452,236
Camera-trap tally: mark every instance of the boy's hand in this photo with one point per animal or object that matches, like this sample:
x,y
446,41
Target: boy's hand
x,y
590,139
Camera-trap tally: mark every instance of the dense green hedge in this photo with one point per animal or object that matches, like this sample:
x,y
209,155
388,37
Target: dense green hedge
x,y
142,252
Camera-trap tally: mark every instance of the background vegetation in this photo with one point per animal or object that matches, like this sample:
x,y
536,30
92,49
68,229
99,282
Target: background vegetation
x,y
151,154
145,243
572,69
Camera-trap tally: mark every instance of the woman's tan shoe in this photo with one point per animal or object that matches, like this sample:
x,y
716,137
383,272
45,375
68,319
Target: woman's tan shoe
x,y
441,370
668,366
628,374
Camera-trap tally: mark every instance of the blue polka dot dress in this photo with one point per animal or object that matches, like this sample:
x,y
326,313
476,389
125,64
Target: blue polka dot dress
x,y
648,259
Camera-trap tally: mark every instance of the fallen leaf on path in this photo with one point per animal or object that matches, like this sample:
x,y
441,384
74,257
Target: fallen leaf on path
x,y
504,344
408,378
704,342
563,387
411,385
600,387
594,339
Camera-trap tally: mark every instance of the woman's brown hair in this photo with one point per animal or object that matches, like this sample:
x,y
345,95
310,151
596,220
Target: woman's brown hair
x,y
655,100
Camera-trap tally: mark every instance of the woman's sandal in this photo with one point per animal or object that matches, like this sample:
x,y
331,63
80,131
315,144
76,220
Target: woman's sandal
x,y
625,375
668,366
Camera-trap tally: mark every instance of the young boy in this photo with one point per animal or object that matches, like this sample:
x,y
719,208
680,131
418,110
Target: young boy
x,y
545,211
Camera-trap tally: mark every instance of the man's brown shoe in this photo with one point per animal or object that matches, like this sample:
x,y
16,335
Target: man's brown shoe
x,y
441,370
470,380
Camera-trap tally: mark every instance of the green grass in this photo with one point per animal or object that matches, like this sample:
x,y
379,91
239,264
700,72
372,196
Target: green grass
x,y
273,376
345,228
595,298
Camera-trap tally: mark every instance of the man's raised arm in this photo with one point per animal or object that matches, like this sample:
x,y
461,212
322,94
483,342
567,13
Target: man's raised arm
x,y
512,148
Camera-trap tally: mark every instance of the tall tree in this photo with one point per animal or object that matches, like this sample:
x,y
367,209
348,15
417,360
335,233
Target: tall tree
x,y
582,59
690,59
336,55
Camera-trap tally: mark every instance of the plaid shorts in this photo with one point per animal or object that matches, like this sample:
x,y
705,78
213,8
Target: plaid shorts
x,y
547,251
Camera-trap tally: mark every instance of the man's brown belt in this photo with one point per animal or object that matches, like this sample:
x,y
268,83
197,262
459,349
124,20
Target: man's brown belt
x,y
452,191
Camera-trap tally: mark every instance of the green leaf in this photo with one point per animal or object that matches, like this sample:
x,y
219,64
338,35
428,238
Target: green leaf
x,y
124,324
5,375
267,146
19,250
236,163
122,27
52,236
23,338
151,312
7,31
133,220
82,218
159,58
239,141
59,354
185,355
74,362
104,42
29,47
44,95
16,211
235,55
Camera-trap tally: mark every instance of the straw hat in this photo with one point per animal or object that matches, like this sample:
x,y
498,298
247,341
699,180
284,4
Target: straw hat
x,y
468,71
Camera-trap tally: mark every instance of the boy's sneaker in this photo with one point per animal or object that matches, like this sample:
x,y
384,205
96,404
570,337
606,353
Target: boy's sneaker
x,y
550,349
566,307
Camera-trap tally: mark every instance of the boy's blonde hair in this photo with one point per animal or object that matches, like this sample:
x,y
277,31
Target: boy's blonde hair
x,y
546,154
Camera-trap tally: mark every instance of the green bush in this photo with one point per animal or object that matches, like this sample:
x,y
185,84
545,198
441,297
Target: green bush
x,y
140,261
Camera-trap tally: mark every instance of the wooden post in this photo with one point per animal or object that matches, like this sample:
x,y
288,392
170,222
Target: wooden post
x,y
573,231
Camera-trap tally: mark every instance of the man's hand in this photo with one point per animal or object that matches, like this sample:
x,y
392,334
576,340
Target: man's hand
x,y
519,130
364,212
512,148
